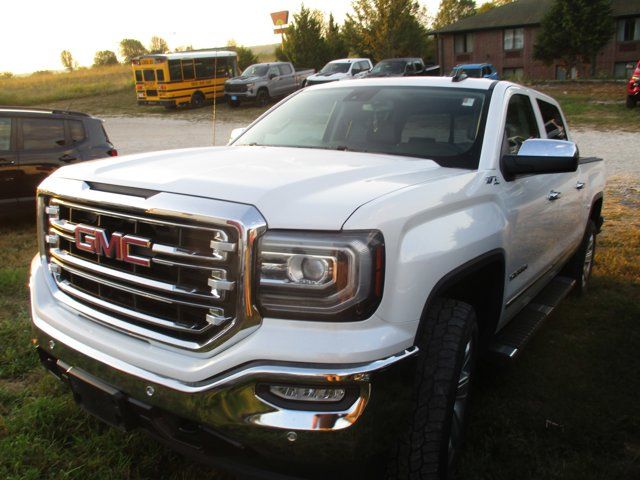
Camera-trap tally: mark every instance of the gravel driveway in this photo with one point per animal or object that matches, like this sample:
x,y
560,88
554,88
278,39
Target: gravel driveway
x,y
144,134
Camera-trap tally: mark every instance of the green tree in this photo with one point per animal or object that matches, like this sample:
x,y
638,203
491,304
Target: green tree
x,y
280,55
304,42
104,57
491,4
450,11
246,56
67,60
184,48
574,31
335,41
386,28
158,45
131,48
6,75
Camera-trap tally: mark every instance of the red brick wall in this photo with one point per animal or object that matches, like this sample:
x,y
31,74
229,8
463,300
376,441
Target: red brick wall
x,y
488,47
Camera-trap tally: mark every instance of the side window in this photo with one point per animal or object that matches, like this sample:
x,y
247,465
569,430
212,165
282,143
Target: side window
x,y
521,124
285,69
409,68
365,66
419,66
42,133
160,75
201,68
175,70
552,119
5,134
76,130
355,68
187,70
274,72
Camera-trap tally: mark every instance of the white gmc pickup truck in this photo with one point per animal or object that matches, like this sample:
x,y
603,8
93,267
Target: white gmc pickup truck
x,y
312,298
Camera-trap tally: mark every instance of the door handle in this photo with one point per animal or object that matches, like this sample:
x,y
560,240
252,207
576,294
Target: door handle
x,y
553,195
67,158
580,185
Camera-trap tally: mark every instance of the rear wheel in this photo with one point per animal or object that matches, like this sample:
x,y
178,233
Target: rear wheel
x,y
197,100
262,97
581,264
431,443
631,101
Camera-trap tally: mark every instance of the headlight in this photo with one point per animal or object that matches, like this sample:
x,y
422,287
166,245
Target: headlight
x,y
250,86
320,276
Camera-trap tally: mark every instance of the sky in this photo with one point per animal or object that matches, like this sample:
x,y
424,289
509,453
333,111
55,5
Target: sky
x,y
34,32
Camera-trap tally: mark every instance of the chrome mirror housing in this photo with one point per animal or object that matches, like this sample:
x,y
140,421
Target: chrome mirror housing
x,y
235,133
542,147
541,156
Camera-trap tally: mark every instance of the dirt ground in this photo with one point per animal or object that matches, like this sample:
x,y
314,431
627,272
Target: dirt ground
x,y
145,134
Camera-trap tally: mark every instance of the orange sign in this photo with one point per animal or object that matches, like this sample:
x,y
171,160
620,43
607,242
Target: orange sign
x,y
280,30
280,18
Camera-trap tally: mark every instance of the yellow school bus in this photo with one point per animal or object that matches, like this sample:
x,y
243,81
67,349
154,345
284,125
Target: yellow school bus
x,y
186,78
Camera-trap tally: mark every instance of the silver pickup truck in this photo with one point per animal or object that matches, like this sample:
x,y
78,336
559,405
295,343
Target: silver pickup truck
x,y
262,81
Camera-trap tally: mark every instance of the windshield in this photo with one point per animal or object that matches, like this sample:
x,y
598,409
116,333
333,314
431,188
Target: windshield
x,y
389,66
335,68
442,124
469,72
256,71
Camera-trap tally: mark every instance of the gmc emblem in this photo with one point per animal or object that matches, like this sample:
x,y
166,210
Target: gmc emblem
x,y
96,240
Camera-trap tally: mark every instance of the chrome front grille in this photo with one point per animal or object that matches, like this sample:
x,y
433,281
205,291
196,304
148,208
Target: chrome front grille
x,y
177,281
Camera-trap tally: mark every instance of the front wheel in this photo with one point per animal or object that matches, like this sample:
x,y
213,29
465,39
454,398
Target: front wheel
x,y
262,97
432,441
631,101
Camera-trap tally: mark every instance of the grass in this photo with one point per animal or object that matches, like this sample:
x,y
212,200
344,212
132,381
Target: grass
x,y
566,409
54,87
594,105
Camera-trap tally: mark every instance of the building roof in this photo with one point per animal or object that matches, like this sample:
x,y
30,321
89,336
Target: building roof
x,y
525,12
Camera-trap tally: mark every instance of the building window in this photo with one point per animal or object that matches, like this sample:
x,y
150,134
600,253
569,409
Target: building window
x,y
514,38
563,74
629,29
624,69
513,73
463,43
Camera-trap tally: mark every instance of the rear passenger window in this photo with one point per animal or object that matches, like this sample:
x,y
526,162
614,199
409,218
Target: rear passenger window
x,y
187,70
76,129
552,119
285,69
5,134
521,124
42,134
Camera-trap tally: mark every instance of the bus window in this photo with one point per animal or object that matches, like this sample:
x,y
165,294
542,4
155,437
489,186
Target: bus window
x,y
203,68
187,70
138,75
223,70
175,70
149,76
160,75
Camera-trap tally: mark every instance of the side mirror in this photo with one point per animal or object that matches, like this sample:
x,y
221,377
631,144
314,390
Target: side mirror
x,y
235,133
539,156
272,76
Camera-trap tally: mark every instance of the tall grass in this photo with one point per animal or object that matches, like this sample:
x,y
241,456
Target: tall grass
x,y
50,87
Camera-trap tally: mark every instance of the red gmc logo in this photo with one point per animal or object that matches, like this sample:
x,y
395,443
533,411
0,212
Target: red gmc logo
x,y
96,240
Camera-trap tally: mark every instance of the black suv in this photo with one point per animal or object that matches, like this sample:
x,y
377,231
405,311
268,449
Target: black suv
x,y
35,142
398,67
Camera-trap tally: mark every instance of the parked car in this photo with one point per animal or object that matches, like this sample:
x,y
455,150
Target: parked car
x,y
633,88
397,67
35,142
342,69
262,81
476,70
314,297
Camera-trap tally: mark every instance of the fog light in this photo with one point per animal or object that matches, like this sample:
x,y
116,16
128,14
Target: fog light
x,y
308,394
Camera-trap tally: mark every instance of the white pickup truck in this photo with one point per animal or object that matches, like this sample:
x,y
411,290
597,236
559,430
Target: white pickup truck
x,y
314,296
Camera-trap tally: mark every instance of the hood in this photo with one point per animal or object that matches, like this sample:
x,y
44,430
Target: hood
x,y
292,187
243,79
328,77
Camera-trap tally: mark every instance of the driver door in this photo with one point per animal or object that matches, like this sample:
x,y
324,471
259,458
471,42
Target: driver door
x,y
534,221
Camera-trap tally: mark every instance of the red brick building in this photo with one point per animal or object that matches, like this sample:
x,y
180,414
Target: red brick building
x,y
505,36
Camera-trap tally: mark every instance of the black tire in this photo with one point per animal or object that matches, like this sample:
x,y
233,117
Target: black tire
x,y
197,100
431,443
262,97
233,103
581,264
631,101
